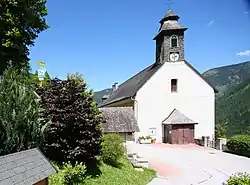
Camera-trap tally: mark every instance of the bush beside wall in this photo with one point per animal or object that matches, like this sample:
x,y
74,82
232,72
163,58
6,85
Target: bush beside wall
x,y
239,144
112,149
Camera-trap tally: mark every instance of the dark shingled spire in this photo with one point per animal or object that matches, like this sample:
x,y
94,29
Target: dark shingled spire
x,y
169,23
169,16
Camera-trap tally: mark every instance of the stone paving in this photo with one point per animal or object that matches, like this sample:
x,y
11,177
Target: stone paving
x,y
190,164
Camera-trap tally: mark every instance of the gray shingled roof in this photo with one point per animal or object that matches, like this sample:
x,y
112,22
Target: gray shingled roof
x,y
119,119
176,117
24,168
130,87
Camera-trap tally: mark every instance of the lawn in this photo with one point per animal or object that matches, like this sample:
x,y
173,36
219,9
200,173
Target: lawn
x,y
125,174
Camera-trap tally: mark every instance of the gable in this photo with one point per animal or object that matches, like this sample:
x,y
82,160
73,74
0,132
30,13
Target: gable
x,y
130,87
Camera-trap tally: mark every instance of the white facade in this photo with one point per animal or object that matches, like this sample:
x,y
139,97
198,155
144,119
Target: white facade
x,y
195,98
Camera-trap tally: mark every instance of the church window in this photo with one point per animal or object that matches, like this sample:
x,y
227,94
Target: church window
x,y
173,85
174,41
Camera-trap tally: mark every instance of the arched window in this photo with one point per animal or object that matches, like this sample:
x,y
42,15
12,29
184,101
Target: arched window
x,y
174,41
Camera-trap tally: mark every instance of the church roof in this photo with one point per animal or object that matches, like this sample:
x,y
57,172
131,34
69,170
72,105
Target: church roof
x,y
176,117
119,119
129,88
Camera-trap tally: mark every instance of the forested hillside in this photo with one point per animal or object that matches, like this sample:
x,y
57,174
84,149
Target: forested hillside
x,y
233,109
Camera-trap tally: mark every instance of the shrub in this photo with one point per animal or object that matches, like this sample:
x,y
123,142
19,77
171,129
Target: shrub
x,y
239,144
239,179
75,131
20,127
220,131
69,174
112,149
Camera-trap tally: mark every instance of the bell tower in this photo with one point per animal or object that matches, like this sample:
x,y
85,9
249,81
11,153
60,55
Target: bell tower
x,y
170,39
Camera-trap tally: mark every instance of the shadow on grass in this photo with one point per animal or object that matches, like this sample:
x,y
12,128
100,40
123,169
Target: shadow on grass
x,y
93,168
114,164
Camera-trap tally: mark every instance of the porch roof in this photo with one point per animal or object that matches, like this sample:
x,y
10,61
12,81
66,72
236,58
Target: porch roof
x,y
176,117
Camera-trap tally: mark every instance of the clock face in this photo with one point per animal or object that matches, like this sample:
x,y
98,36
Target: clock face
x,y
174,57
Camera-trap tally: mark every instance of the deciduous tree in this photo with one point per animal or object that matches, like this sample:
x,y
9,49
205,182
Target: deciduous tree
x,y
20,22
75,131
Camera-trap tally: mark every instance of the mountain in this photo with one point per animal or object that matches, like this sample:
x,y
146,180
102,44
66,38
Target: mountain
x,y
99,94
233,99
233,109
228,76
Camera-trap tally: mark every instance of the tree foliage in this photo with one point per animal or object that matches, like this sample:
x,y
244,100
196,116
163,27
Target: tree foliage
x,y
77,77
21,22
20,127
233,109
75,132
220,131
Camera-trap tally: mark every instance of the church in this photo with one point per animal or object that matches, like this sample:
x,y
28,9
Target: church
x,y
170,99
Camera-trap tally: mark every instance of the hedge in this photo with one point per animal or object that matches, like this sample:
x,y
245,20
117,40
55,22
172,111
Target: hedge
x,y
240,145
238,179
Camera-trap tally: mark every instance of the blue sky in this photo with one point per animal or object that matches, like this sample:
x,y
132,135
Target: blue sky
x,y
109,41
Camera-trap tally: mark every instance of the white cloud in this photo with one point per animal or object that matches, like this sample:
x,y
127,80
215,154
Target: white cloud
x,y
244,53
246,12
210,23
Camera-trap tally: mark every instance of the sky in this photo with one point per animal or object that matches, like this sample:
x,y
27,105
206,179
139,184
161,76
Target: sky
x,y
110,41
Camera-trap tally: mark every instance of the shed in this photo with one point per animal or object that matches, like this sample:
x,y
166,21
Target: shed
x,y
29,167
120,120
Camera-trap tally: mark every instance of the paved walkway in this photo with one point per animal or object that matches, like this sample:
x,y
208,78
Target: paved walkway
x,y
190,164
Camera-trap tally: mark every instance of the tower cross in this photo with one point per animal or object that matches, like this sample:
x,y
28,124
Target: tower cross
x,y
168,4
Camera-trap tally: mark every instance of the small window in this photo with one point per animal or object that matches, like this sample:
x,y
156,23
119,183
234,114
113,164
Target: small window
x,y
174,41
173,85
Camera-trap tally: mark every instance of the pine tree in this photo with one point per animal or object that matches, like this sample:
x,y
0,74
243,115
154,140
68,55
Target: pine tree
x,y
20,128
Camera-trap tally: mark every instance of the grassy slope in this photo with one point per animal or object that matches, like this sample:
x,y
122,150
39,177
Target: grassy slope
x,y
124,175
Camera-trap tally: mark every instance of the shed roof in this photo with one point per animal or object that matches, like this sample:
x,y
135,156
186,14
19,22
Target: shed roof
x,y
176,117
119,119
24,168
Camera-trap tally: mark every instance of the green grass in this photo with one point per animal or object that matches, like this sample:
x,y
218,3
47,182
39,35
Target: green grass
x,y
125,174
